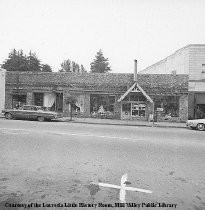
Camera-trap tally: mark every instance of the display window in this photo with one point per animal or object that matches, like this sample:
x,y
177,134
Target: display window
x,y
168,105
138,109
102,105
18,101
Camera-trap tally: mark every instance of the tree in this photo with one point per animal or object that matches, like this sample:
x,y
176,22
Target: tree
x,y
82,69
100,64
71,100
33,62
71,66
17,61
46,68
66,66
75,67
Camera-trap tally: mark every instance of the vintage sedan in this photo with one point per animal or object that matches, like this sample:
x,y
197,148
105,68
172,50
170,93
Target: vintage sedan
x,y
198,124
31,112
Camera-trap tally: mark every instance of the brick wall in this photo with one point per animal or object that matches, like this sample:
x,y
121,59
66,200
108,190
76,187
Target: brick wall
x,y
183,108
8,99
2,89
117,107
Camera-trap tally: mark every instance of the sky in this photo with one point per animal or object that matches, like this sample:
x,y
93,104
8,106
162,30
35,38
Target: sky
x,y
56,30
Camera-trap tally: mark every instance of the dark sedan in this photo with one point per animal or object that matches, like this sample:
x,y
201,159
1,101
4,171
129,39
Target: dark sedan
x,y
31,112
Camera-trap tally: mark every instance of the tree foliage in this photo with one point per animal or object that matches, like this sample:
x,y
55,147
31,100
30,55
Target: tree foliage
x,y
100,64
46,68
71,66
71,100
33,62
18,61
66,66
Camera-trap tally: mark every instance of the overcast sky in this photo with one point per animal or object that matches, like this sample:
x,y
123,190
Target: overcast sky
x,y
146,30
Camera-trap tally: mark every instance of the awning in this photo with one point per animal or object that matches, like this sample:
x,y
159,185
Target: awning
x,y
135,87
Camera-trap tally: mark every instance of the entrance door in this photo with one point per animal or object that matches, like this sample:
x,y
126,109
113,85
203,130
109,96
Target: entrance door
x,y
126,111
138,110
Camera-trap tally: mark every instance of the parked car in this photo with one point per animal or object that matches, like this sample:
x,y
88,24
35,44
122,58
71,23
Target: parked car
x,y
31,112
198,124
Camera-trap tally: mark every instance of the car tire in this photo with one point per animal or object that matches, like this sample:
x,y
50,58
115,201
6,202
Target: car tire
x,y
8,116
200,127
40,119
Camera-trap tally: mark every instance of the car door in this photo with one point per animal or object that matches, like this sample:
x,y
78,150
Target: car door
x,y
33,113
18,113
25,112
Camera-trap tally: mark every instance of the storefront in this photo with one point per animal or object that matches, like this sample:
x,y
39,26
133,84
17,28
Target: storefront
x,y
133,107
135,104
111,96
102,105
52,100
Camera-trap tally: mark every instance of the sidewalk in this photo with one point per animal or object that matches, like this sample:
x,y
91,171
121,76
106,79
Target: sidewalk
x,y
123,122
120,122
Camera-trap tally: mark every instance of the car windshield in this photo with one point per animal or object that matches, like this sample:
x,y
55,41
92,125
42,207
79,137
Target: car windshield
x,y
43,108
34,108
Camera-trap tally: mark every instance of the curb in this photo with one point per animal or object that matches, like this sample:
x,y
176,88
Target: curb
x,y
138,125
103,123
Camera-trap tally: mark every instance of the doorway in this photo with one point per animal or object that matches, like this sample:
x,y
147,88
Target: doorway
x,y
18,100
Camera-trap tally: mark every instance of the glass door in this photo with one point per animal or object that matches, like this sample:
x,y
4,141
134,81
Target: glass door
x,y
138,110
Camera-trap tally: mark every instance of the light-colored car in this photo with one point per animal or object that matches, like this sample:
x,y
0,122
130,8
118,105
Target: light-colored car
x,y
198,124
31,112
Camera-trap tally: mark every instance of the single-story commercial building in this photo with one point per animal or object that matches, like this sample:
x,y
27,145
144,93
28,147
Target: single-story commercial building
x,y
118,96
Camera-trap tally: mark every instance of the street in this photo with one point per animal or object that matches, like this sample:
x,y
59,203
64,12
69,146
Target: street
x,y
55,162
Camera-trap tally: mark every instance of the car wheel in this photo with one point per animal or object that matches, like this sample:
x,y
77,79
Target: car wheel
x,y
200,126
8,116
40,119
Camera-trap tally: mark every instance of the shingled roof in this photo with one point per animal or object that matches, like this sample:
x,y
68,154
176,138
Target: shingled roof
x,y
151,83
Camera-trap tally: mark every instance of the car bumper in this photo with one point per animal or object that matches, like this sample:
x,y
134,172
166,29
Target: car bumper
x,y
189,124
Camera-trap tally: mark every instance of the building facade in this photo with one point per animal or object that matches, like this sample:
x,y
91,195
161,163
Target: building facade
x,y
102,95
189,60
2,89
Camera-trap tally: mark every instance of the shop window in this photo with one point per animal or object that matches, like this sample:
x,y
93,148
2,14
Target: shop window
x,y
142,98
138,109
135,97
135,110
38,99
142,109
59,102
126,98
126,107
102,103
203,68
18,101
169,105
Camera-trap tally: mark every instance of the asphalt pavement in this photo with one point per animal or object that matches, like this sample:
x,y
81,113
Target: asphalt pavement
x,y
50,163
